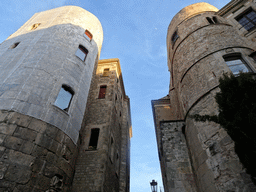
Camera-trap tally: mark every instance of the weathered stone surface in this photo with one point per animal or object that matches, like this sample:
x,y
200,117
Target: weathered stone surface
x,y
105,167
197,49
29,158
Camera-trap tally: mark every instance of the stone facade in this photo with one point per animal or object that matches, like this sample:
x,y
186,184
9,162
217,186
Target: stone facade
x,y
50,78
199,41
106,166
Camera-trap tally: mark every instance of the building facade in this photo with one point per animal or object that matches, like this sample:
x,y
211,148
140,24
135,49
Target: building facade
x,y
103,162
202,44
46,69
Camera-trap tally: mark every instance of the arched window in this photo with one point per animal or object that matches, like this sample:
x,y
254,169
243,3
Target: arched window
x,y
82,52
174,37
88,35
210,21
215,20
64,97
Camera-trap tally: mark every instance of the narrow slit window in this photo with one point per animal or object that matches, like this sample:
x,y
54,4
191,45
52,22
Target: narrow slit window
x,y
111,149
82,52
102,92
253,55
14,45
93,144
215,20
209,20
88,35
64,98
236,64
174,37
35,26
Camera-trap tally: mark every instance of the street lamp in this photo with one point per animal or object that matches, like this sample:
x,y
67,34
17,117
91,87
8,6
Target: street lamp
x,y
153,185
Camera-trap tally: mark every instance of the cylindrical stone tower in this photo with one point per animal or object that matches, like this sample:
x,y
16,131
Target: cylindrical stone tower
x,y
200,47
45,74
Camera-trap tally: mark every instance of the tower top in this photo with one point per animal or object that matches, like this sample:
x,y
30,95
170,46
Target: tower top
x,y
64,15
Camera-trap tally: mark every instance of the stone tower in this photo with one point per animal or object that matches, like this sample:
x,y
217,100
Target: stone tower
x,y
103,162
46,69
198,156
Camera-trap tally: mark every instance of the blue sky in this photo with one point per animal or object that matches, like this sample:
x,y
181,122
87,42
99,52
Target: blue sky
x,y
135,32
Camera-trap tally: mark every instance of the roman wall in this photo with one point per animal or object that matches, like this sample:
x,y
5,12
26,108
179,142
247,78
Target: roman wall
x,y
33,72
38,138
106,166
196,62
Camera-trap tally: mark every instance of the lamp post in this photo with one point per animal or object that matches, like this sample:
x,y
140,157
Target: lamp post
x,y
153,185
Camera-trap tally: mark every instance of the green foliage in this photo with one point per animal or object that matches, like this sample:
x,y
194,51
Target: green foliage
x,y
237,115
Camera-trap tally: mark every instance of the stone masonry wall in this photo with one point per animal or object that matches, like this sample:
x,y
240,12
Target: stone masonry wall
x,y
98,169
179,174
196,62
217,166
34,156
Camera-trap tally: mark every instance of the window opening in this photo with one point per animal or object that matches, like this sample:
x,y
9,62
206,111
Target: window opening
x,y
64,97
174,37
14,45
82,52
236,64
94,138
106,72
36,25
209,20
102,92
247,19
215,20
253,55
111,149
88,35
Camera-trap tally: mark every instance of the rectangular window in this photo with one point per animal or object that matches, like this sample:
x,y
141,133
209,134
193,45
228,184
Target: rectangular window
x,y
106,72
102,92
94,138
64,97
82,52
247,19
236,64
88,35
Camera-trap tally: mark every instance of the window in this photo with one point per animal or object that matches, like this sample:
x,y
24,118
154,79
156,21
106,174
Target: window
x,y
236,64
14,45
209,20
64,98
253,55
111,149
82,52
215,20
88,35
94,138
102,92
33,27
247,19
174,37
106,72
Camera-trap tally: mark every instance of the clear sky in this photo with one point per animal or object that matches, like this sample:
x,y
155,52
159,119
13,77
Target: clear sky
x,y
135,32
